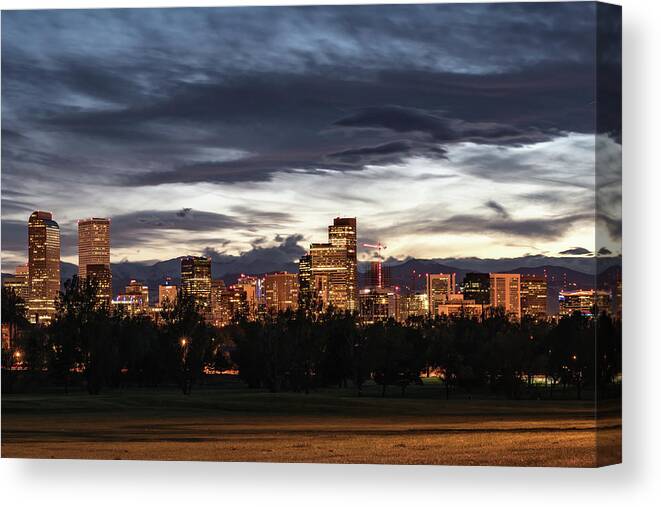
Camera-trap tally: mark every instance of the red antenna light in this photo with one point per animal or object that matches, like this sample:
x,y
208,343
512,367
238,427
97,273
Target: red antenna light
x,y
379,272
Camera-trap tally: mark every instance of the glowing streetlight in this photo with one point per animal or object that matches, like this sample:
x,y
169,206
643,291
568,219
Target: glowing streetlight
x,y
184,341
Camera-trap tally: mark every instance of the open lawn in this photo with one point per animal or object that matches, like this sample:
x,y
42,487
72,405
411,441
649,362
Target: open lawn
x,y
323,427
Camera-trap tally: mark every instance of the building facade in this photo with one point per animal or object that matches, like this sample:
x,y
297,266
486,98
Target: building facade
x,y
378,304
534,295
440,286
413,305
476,287
196,280
167,293
93,243
43,266
281,290
100,274
589,303
343,235
506,293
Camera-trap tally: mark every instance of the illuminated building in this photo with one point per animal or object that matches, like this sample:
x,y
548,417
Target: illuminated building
x,y
378,275
216,298
342,234
281,291
439,288
229,304
167,292
100,273
19,282
253,286
329,275
305,287
43,266
533,296
413,305
131,303
196,280
457,306
506,293
93,243
588,302
135,288
476,287
378,304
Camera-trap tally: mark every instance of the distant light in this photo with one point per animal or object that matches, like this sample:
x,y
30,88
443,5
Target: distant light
x,y
184,342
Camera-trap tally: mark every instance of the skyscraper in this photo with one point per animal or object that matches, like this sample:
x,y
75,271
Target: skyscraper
x,y
329,275
439,288
378,275
281,291
506,293
93,243
343,234
533,296
100,273
43,266
476,287
305,289
196,280
334,267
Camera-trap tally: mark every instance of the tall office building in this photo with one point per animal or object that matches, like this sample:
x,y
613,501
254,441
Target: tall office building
x,y
305,292
196,280
334,267
534,296
253,286
378,275
343,234
506,293
476,287
43,266
440,286
281,291
100,273
93,243
329,276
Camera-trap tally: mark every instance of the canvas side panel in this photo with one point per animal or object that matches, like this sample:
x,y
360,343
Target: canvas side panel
x,y
608,233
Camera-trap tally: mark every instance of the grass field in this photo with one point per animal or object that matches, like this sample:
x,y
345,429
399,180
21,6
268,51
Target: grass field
x,y
324,427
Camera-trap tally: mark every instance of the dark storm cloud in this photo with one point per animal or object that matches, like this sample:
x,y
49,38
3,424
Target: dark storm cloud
x,y
260,259
138,227
604,251
142,96
440,129
578,250
536,228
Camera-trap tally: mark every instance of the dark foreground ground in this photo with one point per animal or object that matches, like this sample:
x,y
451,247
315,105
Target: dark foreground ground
x,y
324,427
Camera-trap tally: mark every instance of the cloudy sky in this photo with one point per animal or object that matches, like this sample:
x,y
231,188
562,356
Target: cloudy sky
x,y
448,130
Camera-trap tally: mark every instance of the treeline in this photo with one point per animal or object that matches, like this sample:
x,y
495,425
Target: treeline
x,y
297,351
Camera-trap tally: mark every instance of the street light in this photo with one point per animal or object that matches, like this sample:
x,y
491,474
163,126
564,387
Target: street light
x,y
184,341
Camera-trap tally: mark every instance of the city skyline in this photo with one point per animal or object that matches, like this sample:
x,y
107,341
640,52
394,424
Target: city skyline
x,y
486,149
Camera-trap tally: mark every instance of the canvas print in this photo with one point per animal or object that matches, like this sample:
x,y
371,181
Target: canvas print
x,y
384,234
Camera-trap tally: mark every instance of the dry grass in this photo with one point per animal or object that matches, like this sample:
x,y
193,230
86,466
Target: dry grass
x,y
323,428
